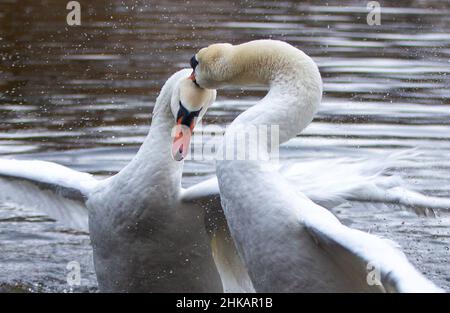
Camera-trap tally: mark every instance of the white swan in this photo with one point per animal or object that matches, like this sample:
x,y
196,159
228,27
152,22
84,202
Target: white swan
x,y
144,238
287,242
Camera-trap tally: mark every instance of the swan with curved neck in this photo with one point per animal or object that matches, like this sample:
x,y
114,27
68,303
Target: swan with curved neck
x,y
287,242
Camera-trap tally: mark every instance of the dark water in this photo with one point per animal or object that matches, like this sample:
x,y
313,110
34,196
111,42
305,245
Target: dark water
x,y
82,96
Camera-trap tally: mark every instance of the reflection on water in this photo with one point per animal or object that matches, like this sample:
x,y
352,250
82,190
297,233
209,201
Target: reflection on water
x,y
82,96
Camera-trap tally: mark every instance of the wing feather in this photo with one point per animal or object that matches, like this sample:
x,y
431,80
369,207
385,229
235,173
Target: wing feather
x,y
366,257
53,189
232,270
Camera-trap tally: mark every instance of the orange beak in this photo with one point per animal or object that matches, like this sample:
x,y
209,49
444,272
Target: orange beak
x,y
181,139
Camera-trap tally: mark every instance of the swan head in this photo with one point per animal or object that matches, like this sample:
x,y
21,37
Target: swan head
x,y
189,104
254,63
214,66
249,64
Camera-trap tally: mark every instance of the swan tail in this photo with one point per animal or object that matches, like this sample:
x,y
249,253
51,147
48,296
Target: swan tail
x,y
47,187
332,182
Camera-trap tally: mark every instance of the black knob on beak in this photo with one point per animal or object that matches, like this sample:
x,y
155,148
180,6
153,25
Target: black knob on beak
x,y
194,62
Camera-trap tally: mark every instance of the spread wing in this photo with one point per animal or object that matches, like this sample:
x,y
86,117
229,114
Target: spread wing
x,y
48,187
376,261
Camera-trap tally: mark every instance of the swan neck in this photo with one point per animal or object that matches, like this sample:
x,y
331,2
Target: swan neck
x,y
153,172
293,81
288,107
294,94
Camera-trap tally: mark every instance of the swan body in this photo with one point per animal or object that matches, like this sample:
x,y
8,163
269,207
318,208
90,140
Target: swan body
x,y
287,242
145,239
